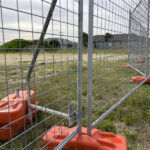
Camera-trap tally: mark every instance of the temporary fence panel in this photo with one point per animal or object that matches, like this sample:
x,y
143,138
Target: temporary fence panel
x,y
41,66
40,70
109,79
138,35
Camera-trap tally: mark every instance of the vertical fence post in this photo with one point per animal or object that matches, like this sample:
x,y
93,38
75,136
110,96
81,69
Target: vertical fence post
x,y
147,43
141,46
90,50
80,46
129,39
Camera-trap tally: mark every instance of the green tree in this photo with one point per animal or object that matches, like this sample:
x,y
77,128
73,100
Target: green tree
x,y
35,42
108,36
46,44
85,39
54,43
69,45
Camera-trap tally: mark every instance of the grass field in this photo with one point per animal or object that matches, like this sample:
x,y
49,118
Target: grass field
x,y
58,70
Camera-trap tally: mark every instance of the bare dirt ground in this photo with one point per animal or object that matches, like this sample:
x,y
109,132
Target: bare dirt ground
x,y
16,58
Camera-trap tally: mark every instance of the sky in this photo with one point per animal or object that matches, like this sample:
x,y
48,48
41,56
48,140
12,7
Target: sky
x,y
113,20
34,23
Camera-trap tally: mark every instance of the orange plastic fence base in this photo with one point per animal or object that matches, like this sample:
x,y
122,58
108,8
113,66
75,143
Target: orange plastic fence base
x,y
126,66
14,129
14,108
139,79
97,141
142,59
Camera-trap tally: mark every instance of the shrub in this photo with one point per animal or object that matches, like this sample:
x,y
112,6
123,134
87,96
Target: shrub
x,y
17,43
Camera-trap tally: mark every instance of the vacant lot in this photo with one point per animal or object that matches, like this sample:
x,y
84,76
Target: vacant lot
x,y
14,59
55,74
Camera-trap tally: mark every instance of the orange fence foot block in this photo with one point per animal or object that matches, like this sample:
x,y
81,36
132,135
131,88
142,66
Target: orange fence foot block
x,y
139,79
97,141
142,59
126,66
5,132
13,111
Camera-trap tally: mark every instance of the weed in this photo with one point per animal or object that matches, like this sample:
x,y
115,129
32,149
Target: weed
x,y
107,126
131,136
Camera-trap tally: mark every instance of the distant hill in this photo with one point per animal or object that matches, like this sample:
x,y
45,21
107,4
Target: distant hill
x,y
16,43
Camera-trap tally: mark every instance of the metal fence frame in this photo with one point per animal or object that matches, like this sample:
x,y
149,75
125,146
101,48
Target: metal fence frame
x,y
146,72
